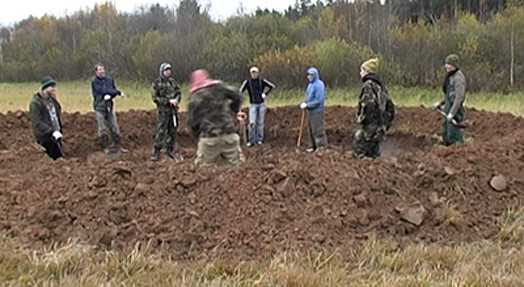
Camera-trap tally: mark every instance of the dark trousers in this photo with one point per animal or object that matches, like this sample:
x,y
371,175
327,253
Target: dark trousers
x,y
451,134
52,149
317,133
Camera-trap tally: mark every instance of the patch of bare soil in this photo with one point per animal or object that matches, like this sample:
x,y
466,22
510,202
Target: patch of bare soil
x,y
280,199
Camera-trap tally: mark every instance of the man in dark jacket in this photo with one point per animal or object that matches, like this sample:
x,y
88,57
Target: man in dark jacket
x,y
258,88
454,89
104,90
211,117
46,124
375,113
166,95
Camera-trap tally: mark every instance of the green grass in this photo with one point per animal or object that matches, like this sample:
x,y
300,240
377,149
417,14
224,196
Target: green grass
x,y
76,96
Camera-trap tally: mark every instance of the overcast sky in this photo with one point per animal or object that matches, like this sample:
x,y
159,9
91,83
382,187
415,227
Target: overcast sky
x,y
17,10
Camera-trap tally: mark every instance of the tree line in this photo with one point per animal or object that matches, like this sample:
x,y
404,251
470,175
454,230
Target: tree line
x,y
411,38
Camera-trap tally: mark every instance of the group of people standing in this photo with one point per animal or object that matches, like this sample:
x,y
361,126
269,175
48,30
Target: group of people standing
x,y
214,111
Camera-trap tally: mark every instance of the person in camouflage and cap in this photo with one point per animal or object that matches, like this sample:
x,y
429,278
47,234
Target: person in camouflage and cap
x,y
454,89
211,117
374,115
166,95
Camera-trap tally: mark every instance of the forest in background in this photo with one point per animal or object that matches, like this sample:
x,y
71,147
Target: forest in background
x,y
411,37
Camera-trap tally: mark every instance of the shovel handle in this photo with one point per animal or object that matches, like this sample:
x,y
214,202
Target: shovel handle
x,y
301,128
453,121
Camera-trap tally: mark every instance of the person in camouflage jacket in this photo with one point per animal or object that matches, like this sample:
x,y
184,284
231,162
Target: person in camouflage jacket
x,y
375,113
166,95
211,117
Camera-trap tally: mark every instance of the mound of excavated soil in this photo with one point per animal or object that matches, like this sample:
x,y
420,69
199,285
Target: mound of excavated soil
x,y
279,199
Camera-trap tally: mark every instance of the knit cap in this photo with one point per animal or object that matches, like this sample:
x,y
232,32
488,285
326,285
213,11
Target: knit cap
x,y
370,65
47,81
452,60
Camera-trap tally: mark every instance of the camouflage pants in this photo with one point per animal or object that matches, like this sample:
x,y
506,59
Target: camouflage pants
x,y
166,128
366,142
224,147
451,134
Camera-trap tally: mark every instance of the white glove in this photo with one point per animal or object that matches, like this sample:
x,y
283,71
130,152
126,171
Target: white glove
x,y
107,97
173,102
449,117
436,105
263,95
303,105
56,135
122,95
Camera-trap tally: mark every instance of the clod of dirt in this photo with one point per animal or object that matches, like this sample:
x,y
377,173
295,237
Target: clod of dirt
x,y
414,214
499,182
360,200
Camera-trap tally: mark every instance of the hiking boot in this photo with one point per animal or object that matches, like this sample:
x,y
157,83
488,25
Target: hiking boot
x,y
249,144
259,142
156,154
104,144
310,149
169,153
123,150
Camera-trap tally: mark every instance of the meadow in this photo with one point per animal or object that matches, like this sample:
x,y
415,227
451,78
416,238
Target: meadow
x,y
75,96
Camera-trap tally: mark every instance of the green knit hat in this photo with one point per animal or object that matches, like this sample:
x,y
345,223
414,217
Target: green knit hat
x,y
47,81
452,60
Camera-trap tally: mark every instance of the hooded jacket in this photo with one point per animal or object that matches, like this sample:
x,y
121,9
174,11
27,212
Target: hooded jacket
x,y
315,93
164,89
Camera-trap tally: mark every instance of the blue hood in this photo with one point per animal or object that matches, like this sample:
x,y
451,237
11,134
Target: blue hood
x,y
315,92
314,72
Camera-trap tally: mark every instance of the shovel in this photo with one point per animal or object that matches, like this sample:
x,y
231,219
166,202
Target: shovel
x,y
453,121
301,128
176,156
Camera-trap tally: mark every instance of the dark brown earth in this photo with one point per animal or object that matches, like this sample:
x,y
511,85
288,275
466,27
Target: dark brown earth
x,y
280,199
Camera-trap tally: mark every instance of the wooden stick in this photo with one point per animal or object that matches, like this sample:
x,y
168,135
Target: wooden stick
x,y
301,129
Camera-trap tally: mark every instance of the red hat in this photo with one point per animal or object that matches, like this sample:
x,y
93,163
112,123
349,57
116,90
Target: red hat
x,y
199,80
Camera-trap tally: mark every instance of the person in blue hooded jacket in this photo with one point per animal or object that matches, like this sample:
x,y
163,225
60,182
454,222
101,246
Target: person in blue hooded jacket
x,y
314,105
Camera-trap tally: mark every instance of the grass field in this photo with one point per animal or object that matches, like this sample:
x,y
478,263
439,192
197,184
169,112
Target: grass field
x,y
76,97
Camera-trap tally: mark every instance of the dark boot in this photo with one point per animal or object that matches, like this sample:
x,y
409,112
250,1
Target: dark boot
x,y
169,153
120,148
104,143
156,154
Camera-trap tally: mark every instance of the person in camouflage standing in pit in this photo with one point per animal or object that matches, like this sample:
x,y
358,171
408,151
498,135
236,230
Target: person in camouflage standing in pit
x,y
166,95
211,117
454,89
374,115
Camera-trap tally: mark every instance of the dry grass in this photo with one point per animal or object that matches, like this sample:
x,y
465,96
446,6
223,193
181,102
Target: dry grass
x,y
377,264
